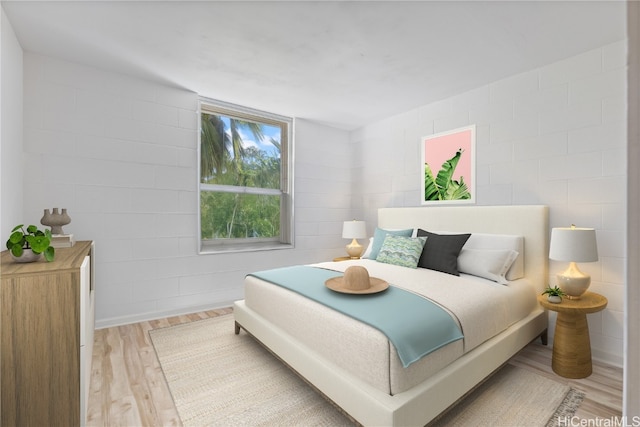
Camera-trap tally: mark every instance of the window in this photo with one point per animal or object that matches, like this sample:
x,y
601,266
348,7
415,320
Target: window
x,y
245,179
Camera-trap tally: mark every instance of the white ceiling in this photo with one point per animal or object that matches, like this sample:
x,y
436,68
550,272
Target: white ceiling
x,y
339,63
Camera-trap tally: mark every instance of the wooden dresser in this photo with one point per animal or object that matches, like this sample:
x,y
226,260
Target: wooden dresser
x,y
46,324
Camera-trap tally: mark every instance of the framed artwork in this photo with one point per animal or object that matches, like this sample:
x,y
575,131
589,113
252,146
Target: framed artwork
x,y
449,167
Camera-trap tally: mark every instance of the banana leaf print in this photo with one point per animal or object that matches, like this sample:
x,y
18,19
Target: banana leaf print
x,y
443,186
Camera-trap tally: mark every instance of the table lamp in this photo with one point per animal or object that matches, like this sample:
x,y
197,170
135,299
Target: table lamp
x,y
354,230
574,245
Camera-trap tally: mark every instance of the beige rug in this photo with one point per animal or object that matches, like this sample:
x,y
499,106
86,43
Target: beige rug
x,y
514,397
218,378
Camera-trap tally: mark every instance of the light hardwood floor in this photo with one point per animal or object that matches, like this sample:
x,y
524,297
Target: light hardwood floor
x,y
128,387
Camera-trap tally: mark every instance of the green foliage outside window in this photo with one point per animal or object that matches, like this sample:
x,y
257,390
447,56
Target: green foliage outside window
x,y
239,216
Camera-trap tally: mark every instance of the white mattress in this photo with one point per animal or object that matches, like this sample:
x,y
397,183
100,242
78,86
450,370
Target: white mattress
x,y
482,308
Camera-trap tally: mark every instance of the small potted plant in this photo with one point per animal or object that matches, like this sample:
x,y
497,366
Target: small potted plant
x,y
27,246
554,294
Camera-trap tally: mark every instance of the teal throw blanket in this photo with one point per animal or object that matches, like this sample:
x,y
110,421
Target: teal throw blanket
x,y
415,325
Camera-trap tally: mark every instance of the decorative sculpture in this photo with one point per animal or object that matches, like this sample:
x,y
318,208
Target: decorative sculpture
x,y
55,220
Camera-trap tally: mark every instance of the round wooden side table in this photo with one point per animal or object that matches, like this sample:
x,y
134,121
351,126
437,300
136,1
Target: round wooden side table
x,y
571,344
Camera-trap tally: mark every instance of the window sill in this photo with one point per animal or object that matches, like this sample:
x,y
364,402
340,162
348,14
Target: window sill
x,y
226,248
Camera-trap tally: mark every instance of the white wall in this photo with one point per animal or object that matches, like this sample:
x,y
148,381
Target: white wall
x,y
120,154
323,197
11,125
554,135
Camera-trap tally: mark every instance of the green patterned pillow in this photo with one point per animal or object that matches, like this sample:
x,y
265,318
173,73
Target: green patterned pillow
x,y
403,251
378,240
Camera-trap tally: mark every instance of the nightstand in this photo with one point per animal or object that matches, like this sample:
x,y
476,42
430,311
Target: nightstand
x,y
571,345
343,258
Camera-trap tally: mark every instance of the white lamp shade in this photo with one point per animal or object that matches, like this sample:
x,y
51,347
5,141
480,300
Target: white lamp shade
x,y
354,230
573,244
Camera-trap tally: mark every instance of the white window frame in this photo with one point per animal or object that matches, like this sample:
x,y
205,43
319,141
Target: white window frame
x,y
286,238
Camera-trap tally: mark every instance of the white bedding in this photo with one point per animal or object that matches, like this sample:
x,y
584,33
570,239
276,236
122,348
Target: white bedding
x,y
483,309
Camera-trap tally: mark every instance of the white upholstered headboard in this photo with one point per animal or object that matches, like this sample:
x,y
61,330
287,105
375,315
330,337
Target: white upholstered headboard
x,y
529,221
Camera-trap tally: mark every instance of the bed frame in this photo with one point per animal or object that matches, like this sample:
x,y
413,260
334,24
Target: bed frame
x,y
424,402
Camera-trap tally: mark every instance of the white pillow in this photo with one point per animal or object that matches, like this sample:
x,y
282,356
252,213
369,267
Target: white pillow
x,y
483,241
367,251
491,264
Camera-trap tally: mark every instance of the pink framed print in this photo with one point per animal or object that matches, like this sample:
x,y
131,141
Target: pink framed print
x,y
449,167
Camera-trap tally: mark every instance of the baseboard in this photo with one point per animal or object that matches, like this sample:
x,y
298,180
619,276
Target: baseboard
x,y
143,317
601,357
607,358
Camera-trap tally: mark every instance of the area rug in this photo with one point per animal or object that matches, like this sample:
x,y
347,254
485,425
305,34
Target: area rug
x,y
514,397
218,378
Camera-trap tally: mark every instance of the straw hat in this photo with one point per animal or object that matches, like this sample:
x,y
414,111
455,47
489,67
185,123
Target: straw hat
x,y
356,280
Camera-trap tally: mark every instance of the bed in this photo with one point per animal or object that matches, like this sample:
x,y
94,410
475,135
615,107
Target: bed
x,y
357,366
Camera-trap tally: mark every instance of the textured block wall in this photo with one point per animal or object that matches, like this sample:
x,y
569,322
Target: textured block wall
x,y
10,129
121,155
555,135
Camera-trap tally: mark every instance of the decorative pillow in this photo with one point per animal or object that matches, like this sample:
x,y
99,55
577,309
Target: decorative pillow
x,y
402,251
500,242
380,234
441,251
487,263
367,251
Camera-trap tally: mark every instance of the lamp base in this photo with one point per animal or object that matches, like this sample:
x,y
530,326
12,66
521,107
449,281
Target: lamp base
x,y
573,282
354,249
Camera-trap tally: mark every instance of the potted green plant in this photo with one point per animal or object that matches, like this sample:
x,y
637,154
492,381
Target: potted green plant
x,y
27,245
554,294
